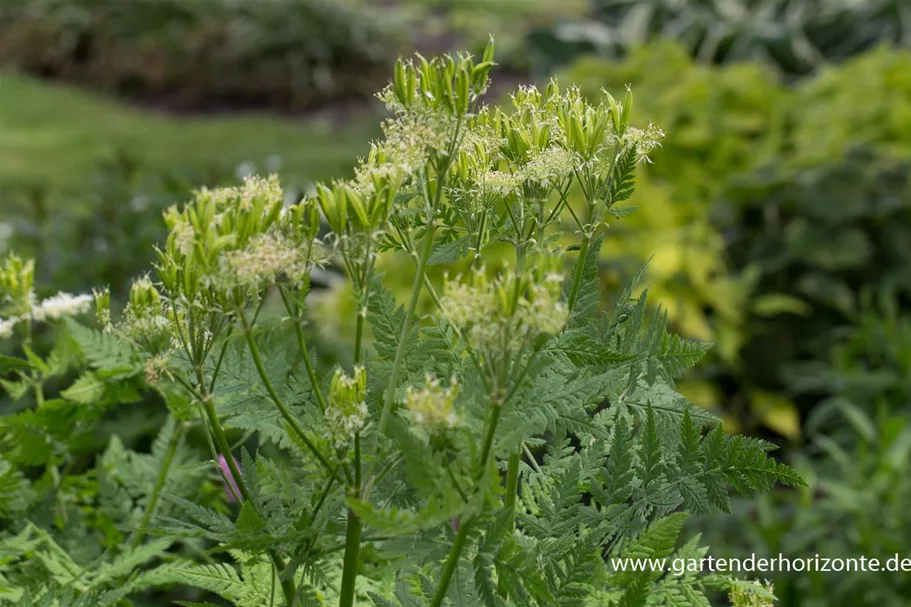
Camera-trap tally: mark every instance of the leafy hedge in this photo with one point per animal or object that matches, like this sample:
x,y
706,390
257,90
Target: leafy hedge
x,y
785,220
797,36
195,53
753,161
856,463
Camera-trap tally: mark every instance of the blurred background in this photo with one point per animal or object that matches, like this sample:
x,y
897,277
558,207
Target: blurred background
x,y
777,216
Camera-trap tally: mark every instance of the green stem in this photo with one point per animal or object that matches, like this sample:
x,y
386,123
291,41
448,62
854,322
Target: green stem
x,y
352,553
512,466
488,437
512,485
170,453
289,587
305,353
406,326
455,553
452,562
286,414
579,271
358,336
362,305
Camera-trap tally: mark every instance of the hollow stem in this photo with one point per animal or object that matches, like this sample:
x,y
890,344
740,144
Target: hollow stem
x,y
455,553
452,562
352,553
289,588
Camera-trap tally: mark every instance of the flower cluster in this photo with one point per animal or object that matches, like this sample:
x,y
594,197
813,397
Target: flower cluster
x,y
347,412
230,243
262,261
17,278
144,320
62,305
432,405
511,310
18,302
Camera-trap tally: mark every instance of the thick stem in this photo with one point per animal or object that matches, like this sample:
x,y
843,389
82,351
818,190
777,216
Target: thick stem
x,y
358,336
512,466
488,437
579,271
160,480
512,484
455,553
512,489
352,553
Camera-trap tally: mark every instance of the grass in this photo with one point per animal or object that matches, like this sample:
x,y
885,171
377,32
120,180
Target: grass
x,y
55,136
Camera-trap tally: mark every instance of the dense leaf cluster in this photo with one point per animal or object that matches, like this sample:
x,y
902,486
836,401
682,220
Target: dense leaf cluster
x,y
501,450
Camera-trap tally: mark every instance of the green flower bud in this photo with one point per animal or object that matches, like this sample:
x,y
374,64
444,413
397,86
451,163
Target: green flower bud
x,y
17,280
399,83
347,410
334,206
103,306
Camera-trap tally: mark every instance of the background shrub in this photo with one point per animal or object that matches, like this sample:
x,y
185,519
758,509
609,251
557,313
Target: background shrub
x,y
796,36
754,160
285,54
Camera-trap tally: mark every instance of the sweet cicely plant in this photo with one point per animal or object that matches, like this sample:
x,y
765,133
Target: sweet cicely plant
x,y
501,449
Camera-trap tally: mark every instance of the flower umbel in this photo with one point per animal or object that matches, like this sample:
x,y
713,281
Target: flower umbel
x,y
62,305
433,405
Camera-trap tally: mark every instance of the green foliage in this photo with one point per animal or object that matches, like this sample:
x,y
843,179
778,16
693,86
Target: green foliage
x,y
856,466
820,237
287,54
796,36
748,216
381,480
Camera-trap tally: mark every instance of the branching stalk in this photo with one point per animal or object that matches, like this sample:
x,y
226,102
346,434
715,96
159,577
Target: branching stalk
x,y
455,553
283,409
406,326
289,588
170,452
352,553
305,353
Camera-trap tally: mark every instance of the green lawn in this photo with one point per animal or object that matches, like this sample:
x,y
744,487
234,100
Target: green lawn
x,y
56,136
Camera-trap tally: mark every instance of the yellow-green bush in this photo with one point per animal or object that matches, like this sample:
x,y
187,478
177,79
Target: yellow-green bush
x,y
724,125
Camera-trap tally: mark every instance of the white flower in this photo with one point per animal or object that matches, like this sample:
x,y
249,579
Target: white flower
x,y
550,165
61,305
343,425
544,313
267,256
6,326
432,405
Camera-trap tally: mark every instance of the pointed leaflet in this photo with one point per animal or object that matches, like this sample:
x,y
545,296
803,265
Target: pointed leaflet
x,y
583,350
110,356
623,176
449,251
